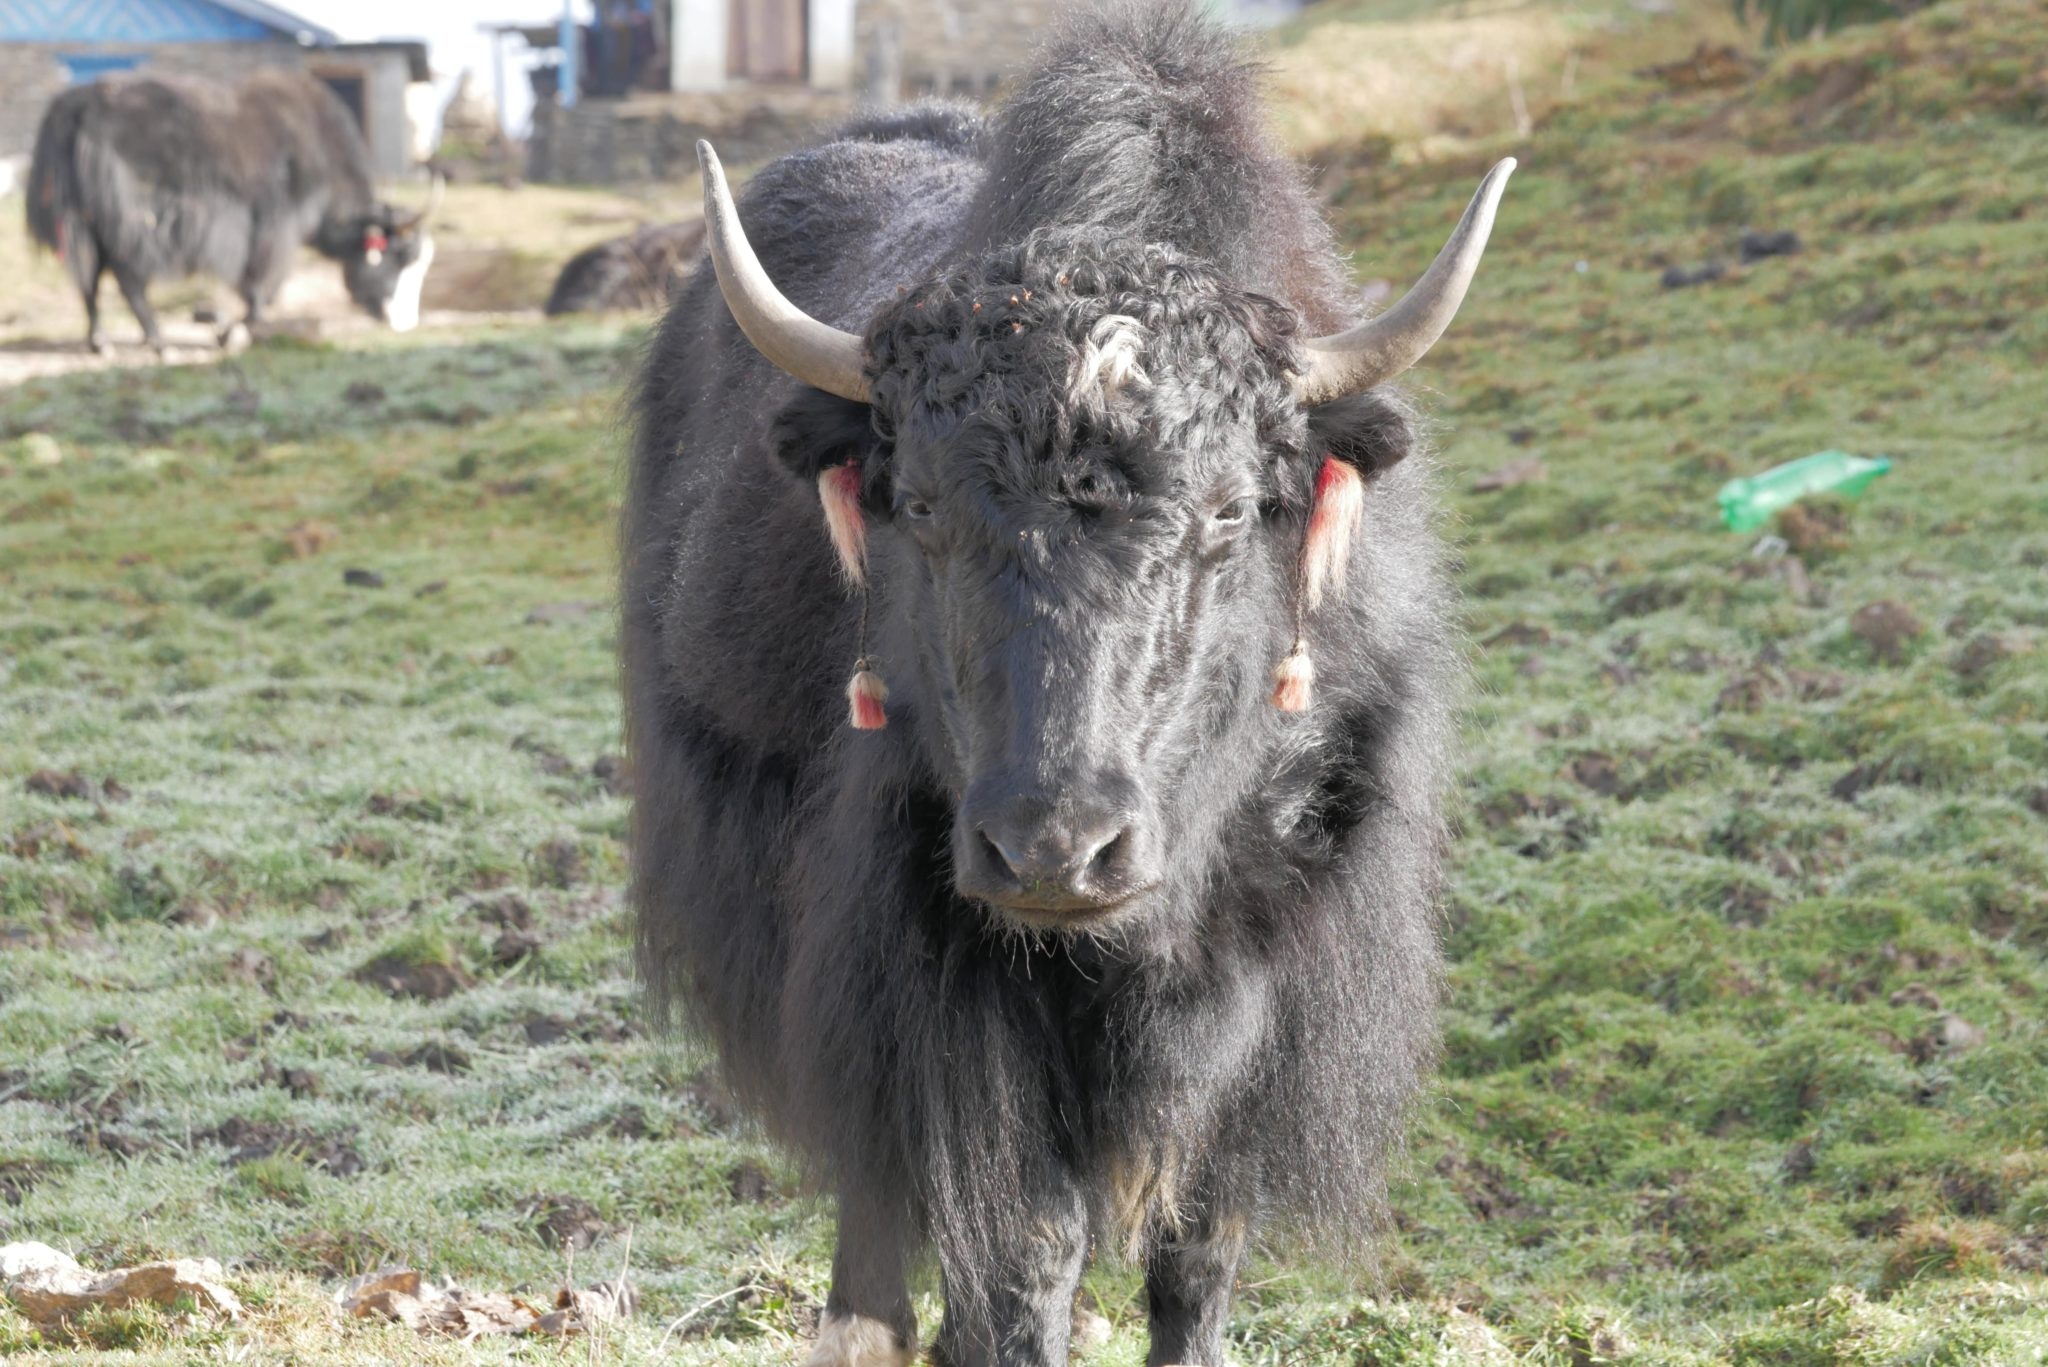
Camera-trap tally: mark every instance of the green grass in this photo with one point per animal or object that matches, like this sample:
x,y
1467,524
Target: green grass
x,y
1749,918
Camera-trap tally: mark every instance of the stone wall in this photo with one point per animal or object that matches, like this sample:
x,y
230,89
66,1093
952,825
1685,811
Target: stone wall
x,y
950,47
903,49
31,76
654,137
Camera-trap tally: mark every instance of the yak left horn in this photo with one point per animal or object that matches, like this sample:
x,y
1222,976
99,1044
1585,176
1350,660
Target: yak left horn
x,y
1374,352
426,215
816,353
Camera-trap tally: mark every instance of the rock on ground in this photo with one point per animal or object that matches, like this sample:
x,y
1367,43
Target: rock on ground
x,y
50,1287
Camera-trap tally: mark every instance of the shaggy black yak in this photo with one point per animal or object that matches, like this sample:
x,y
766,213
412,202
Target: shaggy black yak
x,y
1040,680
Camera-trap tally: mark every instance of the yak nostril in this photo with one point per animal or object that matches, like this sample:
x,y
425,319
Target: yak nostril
x,y
1108,853
998,856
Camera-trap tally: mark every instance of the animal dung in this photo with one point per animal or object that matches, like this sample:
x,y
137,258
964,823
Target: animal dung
x,y
1756,246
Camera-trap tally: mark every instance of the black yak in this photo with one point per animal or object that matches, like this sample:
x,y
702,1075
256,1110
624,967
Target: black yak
x,y
149,177
641,270
1108,921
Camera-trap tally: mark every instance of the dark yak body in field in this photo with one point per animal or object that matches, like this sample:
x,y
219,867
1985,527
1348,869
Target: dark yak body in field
x,y
1068,595
641,270
149,178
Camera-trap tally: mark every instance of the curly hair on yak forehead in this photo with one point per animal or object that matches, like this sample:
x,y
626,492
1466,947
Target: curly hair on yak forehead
x,y
1046,334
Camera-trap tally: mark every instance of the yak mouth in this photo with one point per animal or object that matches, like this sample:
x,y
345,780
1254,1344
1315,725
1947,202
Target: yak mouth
x,y
1064,916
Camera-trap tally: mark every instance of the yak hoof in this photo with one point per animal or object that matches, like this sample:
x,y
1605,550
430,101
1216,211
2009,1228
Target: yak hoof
x,y
99,345
857,1341
235,336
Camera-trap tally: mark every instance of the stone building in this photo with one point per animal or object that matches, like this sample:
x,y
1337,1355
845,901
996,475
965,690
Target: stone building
x,y
46,45
758,75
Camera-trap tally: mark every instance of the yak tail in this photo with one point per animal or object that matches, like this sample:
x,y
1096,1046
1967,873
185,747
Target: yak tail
x,y
54,202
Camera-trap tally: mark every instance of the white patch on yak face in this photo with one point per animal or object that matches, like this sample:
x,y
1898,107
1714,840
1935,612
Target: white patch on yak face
x,y
402,309
857,1341
1112,358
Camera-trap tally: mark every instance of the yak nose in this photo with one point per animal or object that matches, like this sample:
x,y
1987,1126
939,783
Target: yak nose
x,y
1039,856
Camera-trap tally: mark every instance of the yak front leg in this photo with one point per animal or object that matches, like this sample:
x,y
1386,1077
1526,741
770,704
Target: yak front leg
x,y
1188,1281
868,1321
1028,1317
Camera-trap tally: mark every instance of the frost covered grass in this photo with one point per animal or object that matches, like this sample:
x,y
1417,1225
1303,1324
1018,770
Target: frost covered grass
x,y
311,952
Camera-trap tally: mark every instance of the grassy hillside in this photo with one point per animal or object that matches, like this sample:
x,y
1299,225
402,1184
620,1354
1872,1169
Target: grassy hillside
x,y
1413,79
311,954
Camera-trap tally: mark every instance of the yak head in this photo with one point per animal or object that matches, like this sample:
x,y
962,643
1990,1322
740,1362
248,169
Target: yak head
x,y
384,254
1083,483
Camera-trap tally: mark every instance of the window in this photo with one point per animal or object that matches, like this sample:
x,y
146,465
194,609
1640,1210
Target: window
x,y
86,67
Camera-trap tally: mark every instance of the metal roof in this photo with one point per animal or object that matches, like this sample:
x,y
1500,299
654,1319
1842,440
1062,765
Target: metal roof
x,y
283,20
155,21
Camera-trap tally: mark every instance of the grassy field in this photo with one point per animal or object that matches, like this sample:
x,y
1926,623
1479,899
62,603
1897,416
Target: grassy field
x,y
311,951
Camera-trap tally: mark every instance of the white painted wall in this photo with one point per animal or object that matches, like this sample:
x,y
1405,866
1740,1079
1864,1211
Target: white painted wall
x,y
831,44
696,49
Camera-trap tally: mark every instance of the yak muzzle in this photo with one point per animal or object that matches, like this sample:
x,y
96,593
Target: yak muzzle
x,y
1053,857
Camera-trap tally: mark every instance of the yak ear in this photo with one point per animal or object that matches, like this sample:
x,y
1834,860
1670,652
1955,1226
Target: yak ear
x,y
1370,432
818,430
339,237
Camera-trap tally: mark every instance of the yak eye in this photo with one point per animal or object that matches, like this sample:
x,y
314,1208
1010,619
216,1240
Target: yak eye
x,y
1235,512
916,509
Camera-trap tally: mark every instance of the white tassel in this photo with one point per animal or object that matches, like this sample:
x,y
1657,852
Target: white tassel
x,y
839,490
1332,525
1294,680
865,696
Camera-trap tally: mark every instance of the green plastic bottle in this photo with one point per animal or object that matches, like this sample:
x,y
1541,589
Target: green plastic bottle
x,y
1747,504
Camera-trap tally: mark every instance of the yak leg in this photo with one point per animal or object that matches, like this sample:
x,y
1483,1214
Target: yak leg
x,y
83,256
243,330
261,279
134,290
95,335
868,1321
1187,1291
1029,1318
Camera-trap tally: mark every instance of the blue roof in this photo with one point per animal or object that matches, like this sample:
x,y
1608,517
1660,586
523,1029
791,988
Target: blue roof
x,y
154,21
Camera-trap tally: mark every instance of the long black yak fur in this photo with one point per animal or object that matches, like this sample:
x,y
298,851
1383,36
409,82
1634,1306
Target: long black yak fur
x,y
1245,1045
641,270
154,177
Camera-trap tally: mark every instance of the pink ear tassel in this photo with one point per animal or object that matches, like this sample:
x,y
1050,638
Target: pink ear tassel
x,y
865,694
1294,680
1325,554
1332,523
839,490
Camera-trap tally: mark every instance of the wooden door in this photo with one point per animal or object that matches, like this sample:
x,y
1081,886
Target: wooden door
x,y
765,40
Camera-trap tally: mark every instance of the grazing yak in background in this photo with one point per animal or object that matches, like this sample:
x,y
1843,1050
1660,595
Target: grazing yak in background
x,y
148,177
1106,920
642,270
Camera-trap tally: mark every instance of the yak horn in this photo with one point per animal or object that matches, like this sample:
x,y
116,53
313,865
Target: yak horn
x,y
1374,352
820,355
433,205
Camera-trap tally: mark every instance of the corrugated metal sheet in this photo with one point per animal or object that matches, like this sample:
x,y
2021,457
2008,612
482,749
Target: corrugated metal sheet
x,y
152,21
